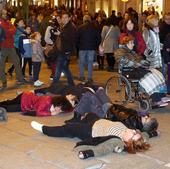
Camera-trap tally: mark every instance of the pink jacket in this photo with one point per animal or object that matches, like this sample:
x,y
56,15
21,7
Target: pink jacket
x,y
40,104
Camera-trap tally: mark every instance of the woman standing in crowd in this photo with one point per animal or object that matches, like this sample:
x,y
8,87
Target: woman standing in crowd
x,y
153,47
130,28
37,57
110,35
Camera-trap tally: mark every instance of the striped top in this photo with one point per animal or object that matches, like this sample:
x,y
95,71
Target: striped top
x,y
105,127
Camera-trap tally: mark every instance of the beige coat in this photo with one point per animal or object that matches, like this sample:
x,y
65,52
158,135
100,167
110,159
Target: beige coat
x,y
110,43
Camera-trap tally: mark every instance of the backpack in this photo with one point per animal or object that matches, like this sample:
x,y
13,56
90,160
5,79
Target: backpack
x,y
2,34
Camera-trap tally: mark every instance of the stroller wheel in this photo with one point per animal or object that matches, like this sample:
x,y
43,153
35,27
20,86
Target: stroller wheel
x,y
144,105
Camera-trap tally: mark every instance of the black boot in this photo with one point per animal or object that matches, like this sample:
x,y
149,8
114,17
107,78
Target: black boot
x,y
76,118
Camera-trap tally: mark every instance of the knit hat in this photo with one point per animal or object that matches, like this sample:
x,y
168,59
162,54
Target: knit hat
x,y
143,113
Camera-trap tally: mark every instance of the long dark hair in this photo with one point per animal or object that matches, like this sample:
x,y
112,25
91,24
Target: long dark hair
x,y
63,102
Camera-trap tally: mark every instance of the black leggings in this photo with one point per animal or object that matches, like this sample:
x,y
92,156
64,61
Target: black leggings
x,y
80,130
13,105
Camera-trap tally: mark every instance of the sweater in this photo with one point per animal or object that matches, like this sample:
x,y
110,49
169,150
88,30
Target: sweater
x,y
10,32
30,102
105,127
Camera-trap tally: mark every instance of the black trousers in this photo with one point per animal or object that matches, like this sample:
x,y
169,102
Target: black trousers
x,y
80,130
36,70
110,60
13,105
25,61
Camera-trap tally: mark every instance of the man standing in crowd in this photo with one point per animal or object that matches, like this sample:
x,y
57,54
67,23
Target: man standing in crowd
x,y
88,39
8,50
164,30
64,46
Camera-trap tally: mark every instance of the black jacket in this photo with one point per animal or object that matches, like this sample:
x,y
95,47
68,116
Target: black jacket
x,y
129,117
67,38
164,30
165,53
88,38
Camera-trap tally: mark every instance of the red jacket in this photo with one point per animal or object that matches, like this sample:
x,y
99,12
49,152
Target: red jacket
x,y
40,104
9,34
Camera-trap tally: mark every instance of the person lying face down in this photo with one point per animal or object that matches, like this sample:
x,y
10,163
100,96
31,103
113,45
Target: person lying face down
x,y
95,128
100,104
34,105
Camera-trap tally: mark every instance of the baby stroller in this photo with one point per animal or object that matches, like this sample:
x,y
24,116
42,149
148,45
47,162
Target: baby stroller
x,y
123,87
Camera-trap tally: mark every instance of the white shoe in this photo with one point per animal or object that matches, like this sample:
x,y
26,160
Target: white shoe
x,y
62,74
41,82
95,64
37,84
166,99
37,126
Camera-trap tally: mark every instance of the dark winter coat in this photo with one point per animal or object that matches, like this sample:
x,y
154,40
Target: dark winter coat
x,y
88,37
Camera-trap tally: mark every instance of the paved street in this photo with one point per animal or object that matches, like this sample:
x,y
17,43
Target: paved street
x,y
21,147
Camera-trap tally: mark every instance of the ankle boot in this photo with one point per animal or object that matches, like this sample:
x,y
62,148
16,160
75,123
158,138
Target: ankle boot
x,y
76,118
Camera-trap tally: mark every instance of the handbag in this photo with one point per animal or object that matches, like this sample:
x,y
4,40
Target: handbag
x,y
101,46
58,44
47,50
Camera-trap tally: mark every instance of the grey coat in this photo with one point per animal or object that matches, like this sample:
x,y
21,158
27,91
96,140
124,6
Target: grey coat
x,y
152,51
110,43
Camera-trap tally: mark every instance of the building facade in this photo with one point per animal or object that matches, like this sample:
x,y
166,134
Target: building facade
x,y
121,5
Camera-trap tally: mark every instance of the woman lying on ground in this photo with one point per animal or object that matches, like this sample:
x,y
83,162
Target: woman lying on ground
x,y
34,105
93,128
100,104
150,79
45,102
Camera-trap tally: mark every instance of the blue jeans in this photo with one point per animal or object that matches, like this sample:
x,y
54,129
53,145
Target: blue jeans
x,y
63,66
86,57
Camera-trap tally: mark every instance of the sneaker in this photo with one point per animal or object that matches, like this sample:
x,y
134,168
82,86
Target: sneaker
x,y
37,84
165,99
159,104
51,77
95,64
62,74
40,82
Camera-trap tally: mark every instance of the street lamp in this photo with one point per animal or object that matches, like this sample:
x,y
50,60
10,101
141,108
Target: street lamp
x,y
124,0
